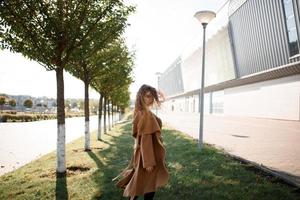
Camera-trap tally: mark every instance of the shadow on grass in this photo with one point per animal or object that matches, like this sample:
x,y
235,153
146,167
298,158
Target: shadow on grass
x,y
194,174
61,191
110,135
106,142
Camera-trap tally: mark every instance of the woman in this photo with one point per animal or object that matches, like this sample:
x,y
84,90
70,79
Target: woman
x,y
147,170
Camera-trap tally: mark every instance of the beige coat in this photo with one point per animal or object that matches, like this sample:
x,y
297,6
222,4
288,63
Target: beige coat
x,y
148,151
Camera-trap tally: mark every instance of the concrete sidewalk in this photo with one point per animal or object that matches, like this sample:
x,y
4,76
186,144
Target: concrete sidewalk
x,y
23,142
272,143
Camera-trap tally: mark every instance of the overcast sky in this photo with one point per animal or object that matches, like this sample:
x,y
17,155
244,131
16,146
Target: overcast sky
x,y
160,30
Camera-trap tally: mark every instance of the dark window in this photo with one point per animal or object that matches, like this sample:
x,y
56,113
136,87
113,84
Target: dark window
x,y
291,27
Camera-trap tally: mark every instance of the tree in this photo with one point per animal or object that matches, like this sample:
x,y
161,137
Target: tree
x,y
2,101
49,32
121,97
125,102
93,106
28,103
68,104
88,66
83,63
74,105
80,104
12,102
100,107
115,74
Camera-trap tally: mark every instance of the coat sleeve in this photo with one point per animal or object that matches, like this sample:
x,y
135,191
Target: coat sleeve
x,y
135,121
147,150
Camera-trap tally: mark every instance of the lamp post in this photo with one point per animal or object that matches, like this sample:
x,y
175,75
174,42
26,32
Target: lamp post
x,y
204,17
158,74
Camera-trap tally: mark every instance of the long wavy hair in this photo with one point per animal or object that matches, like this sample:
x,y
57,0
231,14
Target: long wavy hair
x,y
140,104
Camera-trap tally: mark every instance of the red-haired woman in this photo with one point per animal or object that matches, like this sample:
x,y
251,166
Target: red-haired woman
x,y
147,170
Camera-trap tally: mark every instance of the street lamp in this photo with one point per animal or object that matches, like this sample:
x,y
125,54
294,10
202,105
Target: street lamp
x,y
204,17
158,74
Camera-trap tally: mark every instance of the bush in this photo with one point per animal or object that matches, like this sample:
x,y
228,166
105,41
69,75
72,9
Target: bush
x,y
13,112
13,117
3,118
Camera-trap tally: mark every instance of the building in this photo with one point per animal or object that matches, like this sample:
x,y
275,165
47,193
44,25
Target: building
x,y
252,63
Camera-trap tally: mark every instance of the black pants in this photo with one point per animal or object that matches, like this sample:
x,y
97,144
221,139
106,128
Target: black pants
x,y
147,196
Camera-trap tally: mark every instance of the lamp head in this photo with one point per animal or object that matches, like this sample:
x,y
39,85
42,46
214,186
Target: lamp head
x,y
205,16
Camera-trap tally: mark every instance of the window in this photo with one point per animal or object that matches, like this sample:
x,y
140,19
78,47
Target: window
x,y
291,27
218,102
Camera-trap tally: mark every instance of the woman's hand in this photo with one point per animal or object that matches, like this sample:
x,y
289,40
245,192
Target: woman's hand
x,y
161,96
149,169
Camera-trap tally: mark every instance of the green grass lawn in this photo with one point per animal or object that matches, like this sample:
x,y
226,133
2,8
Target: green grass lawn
x,y
194,174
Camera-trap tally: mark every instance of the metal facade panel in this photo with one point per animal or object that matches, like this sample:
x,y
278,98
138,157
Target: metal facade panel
x,y
259,36
171,80
234,5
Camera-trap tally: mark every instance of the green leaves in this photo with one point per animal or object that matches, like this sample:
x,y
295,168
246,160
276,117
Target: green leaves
x,y
50,31
82,36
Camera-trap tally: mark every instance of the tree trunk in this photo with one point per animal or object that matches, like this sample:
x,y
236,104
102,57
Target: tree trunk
x,y
108,113
104,117
118,113
112,114
87,145
122,110
100,117
61,130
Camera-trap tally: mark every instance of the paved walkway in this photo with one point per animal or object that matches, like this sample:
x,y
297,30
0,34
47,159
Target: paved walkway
x,y
21,143
273,143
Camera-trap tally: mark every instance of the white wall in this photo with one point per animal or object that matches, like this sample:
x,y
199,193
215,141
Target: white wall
x,y
278,99
218,64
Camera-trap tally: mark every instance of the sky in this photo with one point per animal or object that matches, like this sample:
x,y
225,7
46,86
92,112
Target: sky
x,y
159,31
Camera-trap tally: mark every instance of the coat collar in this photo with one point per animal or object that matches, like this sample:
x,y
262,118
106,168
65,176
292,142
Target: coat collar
x,y
145,122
